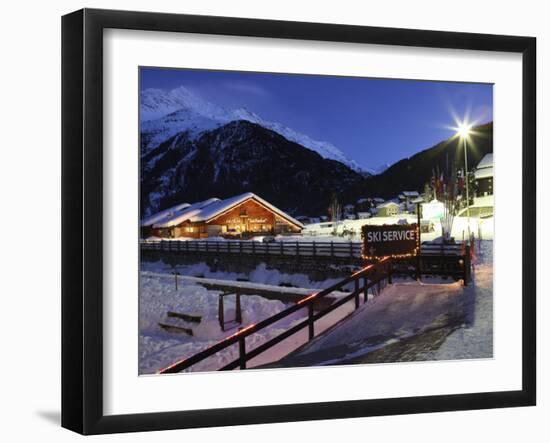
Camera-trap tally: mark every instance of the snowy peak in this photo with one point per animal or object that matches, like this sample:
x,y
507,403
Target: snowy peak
x,y
156,103
379,170
165,113
245,114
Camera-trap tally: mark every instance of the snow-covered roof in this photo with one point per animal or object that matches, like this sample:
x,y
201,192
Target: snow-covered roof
x,y
171,217
485,172
209,209
362,200
349,205
486,161
387,204
486,200
148,221
410,193
378,199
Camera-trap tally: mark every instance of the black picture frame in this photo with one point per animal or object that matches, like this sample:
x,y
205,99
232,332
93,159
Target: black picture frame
x,y
82,218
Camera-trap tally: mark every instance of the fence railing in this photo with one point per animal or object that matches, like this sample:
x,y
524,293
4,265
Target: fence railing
x,y
280,248
373,275
285,248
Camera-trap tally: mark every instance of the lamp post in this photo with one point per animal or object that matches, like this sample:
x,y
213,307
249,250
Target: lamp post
x,y
463,132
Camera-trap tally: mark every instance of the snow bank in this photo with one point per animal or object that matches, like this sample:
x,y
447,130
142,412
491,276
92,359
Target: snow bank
x,y
260,274
475,338
159,348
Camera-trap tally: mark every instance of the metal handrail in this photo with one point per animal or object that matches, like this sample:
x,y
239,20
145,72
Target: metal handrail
x,y
240,336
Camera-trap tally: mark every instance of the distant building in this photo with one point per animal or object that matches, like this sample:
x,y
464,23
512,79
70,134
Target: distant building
x,y
484,176
365,204
363,215
387,209
349,209
433,210
407,197
241,215
304,219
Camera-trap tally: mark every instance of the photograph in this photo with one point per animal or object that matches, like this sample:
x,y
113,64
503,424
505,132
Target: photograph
x,y
293,220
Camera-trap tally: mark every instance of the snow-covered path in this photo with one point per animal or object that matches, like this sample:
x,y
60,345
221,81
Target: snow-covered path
x,y
412,322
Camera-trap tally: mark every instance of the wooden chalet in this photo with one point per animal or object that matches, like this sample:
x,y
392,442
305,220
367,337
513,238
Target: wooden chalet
x,y
240,216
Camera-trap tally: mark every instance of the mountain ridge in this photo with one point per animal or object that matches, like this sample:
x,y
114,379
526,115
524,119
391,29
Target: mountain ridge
x,y
238,157
165,113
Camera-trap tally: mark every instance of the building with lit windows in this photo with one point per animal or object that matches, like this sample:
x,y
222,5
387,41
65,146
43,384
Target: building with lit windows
x,y
239,216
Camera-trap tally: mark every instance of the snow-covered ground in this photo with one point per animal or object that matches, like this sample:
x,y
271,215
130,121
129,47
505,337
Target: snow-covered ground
x,y
475,338
409,321
350,230
347,230
413,321
158,295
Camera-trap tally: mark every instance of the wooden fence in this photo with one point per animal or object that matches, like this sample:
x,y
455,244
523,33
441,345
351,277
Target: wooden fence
x,y
279,248
373,275
286,248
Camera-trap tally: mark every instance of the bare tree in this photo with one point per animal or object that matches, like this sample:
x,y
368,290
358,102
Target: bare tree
x,y
335,211
449,196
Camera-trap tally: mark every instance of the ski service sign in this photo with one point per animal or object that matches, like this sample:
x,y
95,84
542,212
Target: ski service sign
x,y
390,240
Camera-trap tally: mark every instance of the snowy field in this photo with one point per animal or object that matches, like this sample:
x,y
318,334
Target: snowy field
x,y
158,295
347,230
431,320
350,230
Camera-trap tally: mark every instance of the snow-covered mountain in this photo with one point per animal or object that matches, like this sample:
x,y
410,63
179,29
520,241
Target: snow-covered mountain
x,y
164,114
242,156
379,169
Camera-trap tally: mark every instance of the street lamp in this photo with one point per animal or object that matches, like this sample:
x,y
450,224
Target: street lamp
x,y
463,131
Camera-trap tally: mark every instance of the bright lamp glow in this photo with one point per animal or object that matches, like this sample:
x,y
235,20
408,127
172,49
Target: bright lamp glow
x,y
463,130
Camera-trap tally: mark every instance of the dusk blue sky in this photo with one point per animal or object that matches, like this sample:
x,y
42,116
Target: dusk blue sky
x,y
373,121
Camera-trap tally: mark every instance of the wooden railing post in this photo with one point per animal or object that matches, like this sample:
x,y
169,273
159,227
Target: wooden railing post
x,y
220,312
390,271
238,312
365,289
313,244
467,265
356,293
176,278
242,353
310,323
